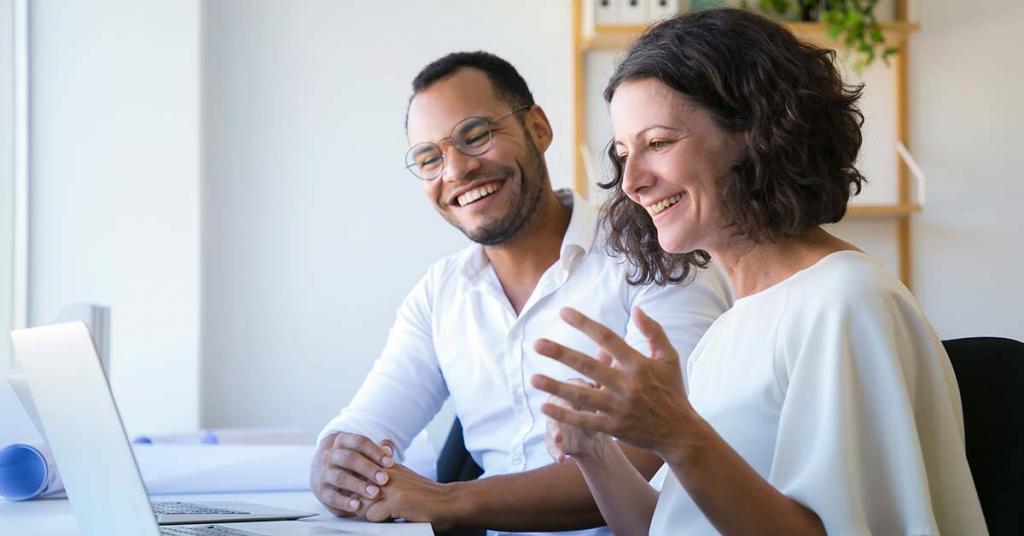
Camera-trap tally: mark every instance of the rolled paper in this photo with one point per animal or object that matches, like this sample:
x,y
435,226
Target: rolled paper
x,y
228,436
27,472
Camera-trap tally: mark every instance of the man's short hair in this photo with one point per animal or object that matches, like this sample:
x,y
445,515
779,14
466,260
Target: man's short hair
x,y
508,85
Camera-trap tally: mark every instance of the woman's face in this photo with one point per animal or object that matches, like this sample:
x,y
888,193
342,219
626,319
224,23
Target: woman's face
x,y
674,157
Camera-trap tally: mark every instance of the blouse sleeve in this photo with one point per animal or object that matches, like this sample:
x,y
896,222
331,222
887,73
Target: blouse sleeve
x,y
870,434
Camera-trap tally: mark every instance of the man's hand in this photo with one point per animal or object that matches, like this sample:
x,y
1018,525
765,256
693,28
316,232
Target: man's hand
x,y
414,498
348,471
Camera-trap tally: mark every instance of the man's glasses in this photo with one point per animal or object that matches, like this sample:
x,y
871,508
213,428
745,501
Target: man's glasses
x,y
471,137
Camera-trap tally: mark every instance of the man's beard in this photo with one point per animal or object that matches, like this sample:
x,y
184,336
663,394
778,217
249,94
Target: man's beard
x,y
522,204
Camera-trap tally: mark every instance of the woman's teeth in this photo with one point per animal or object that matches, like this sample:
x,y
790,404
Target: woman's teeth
x,y
477,193
663,204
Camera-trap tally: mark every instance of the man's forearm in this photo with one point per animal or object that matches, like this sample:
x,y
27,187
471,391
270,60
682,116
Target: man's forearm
x,y
553,497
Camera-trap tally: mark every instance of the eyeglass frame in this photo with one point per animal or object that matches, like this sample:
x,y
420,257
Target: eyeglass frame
x,y
487,146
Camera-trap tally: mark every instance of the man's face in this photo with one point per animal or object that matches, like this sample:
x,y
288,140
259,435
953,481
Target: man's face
x,y
490,197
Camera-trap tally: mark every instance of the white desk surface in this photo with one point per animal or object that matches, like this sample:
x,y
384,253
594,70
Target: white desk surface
x,y
53,517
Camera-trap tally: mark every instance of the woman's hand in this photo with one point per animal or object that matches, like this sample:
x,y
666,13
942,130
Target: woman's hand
x,y
566,441
640,400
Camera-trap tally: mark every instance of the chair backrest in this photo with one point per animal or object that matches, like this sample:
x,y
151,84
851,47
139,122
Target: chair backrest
x,y
454,464
990,373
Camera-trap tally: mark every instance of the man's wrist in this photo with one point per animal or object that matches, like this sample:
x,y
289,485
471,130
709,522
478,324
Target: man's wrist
x,y
458,502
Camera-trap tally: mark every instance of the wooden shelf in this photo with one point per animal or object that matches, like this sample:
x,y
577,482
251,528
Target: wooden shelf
x,y
882,211
895,33
614,37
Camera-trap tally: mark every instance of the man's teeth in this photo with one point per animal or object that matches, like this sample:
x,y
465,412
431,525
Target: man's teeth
x,y
663,204
477,193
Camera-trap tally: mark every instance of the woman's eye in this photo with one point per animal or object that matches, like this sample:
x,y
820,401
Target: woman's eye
x,y
658,144
622,157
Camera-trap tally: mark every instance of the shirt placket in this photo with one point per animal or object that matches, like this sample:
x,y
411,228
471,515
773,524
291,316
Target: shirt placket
x,y
515,366
520,407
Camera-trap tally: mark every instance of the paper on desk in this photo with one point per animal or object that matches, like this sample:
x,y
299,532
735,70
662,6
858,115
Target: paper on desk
x,y
228,436
29,472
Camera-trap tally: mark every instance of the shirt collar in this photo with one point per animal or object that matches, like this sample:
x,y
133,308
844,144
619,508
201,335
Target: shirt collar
x,y
579,236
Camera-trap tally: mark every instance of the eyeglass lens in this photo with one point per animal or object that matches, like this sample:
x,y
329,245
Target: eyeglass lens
x,y
470,136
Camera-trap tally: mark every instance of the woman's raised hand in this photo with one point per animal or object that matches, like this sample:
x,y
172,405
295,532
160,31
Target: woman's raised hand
x,y
638,399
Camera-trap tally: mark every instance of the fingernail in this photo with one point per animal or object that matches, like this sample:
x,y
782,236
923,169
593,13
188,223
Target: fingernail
x,y
372,491
388,450
386,461
353,504
380,477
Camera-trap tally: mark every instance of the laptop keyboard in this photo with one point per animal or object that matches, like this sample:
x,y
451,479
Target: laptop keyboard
x,y
174,507
206,530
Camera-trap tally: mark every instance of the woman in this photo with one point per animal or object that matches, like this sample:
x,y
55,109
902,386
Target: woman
x,y
823,400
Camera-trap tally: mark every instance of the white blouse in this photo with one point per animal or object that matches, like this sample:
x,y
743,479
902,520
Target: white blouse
x,y
834,387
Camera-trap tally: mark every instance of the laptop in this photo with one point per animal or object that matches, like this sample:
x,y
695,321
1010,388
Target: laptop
x,y
84,432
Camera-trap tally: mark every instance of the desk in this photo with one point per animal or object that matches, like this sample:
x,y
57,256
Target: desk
x,y
54,517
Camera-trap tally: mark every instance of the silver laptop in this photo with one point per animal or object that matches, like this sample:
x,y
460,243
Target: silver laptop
x,y
85,434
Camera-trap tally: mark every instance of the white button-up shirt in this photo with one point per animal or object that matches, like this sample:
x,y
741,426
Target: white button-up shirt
x,y
457,335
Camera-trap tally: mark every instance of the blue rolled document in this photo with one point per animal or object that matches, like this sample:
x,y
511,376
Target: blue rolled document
x,y
26,473
29,471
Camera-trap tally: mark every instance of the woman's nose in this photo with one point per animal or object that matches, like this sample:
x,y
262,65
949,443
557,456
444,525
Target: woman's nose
x,y
635,177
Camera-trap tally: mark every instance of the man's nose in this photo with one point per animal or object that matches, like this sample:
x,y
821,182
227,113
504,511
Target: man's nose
x,y
457,165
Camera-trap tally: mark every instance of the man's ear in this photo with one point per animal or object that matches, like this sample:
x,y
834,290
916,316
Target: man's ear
x,y
538,127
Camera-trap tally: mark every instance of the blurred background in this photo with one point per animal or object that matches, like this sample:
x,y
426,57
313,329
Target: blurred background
x,y
226,176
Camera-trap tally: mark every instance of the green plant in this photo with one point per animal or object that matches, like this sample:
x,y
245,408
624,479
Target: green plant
x,y
852,22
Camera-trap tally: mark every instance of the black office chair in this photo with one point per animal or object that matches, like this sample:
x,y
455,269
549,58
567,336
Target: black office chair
x,y
990,372
456,465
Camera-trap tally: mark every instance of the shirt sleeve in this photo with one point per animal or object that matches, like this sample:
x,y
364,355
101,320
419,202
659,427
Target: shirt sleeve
x,y
405,388
870,434
685,311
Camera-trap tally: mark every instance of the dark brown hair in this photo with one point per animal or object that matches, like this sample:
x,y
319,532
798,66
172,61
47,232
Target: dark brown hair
x,y
796,170
508,84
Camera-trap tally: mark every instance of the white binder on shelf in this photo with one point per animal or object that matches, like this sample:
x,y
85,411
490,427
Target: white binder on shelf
x,y
601,13
634,12
661,9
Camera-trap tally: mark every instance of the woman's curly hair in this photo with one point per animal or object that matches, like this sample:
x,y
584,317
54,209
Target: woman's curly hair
x,y
802,124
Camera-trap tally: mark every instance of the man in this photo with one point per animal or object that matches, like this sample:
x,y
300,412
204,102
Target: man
x,y
467,329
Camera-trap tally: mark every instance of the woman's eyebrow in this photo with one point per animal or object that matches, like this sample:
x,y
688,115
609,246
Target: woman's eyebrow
x,y
643,131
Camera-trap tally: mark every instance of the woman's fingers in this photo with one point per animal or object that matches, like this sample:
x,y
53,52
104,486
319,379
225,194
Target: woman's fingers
x,y
661,347
604,337
587,420
578,361
579,396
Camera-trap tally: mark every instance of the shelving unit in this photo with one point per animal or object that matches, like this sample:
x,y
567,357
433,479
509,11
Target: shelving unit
x,y
897,33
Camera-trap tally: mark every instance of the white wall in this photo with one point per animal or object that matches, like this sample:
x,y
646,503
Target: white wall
x,y
312,230
6,179
966,82
115,189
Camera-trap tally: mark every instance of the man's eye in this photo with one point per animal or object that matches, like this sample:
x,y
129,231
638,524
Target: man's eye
x,y
428,161
475,135
476,138
622,157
